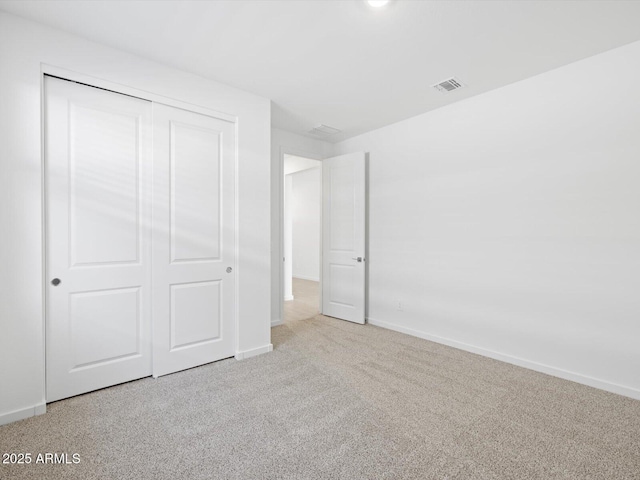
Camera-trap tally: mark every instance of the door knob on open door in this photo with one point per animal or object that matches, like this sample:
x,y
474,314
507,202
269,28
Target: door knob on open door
x,y
358,259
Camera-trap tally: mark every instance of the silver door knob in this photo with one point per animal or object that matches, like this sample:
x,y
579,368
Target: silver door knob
x,y
358,259
229,269
55,282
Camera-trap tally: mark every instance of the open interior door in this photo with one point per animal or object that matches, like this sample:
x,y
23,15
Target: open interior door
x,y
344,237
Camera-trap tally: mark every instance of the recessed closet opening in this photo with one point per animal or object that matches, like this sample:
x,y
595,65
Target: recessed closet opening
x,y
140,237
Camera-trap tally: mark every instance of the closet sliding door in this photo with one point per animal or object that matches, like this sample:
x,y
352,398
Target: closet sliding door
x,y
98,241
193,239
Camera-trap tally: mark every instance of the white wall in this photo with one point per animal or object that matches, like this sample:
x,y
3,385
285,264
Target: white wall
x,y
509,223
283,142
24,46
306,202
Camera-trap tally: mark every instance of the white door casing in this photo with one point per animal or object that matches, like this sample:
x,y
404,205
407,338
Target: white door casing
x,y
98,187
344,237
193,239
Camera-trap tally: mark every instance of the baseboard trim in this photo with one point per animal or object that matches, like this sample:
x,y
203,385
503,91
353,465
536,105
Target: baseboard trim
x,y
303,277
254,352
521,362
23,413
276,322
288,298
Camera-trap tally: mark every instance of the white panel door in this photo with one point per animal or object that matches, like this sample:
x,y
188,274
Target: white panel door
x,y
97,173
193,239
344,237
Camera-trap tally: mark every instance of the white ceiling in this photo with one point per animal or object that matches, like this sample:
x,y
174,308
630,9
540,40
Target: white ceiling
x,y
342,63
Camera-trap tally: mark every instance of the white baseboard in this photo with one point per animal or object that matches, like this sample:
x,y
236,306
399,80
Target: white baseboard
x,y
23,413
254,352
276,322
288,298
521,362
303,277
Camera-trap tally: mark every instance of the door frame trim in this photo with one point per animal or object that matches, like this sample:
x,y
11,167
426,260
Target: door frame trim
x,y
92,81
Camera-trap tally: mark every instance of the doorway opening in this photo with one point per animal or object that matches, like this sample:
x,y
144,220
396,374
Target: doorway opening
x,y
302,231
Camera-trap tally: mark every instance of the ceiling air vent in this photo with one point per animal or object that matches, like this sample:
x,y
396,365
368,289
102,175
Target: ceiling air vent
x,y
448,85
324,131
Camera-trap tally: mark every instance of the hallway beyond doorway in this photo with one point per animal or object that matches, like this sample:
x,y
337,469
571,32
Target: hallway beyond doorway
x,y
305,303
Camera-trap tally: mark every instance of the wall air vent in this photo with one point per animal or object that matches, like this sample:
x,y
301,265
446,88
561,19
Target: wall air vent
x,y
324,131
448,85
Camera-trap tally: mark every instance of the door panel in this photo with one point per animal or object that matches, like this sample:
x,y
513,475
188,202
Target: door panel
x,y
194,182
342,206
343,237
195,193
105,325
195,313
104,196
98,173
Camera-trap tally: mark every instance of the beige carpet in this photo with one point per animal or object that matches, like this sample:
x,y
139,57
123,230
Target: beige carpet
x,y
337,400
